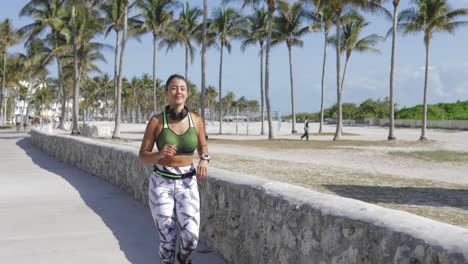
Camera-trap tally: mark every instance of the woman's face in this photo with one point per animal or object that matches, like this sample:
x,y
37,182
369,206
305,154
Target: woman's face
x,y
177,93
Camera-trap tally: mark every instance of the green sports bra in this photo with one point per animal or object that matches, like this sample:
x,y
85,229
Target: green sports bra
x,y
186,143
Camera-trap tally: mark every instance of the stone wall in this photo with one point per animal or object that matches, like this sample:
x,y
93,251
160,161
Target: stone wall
x,y
253,220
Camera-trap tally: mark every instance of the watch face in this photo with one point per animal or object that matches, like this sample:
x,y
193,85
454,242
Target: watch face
x,y
205,157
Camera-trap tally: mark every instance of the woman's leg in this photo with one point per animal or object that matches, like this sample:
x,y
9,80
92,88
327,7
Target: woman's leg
x,y
161,202
187,201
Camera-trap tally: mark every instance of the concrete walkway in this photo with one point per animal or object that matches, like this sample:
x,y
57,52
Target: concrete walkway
x,y
53,213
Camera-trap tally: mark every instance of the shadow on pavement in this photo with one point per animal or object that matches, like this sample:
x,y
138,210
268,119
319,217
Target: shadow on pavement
x,y
423,196
128,219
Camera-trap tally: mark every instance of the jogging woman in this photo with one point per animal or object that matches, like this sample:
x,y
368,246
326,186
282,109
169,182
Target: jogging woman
x,y
173,191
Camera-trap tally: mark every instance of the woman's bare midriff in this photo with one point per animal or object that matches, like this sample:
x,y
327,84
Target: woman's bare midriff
x,y
177,161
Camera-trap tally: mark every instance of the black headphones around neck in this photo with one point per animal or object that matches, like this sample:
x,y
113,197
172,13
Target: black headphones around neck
x,y
174,115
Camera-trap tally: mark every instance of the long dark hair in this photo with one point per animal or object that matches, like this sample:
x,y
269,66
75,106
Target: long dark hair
x,y
175,76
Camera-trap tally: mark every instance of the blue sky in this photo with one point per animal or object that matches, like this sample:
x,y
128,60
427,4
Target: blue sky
x,y
367,76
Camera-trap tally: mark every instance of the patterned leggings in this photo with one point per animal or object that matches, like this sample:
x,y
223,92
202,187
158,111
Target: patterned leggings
x,y
175,201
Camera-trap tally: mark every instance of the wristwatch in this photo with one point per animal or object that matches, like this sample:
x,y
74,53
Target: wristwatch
x,y
205,157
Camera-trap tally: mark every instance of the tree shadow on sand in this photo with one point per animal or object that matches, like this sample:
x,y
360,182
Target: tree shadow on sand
x,y
420,196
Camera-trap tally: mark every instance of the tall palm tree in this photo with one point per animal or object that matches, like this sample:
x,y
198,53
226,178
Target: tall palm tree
x,y
225,23
338,7
157,16
35,55
51,15
203,60
118,92
429,17
183,31
288,28
323,15
350,41
85,23
8,38
113,17
257,33
391,127
271,6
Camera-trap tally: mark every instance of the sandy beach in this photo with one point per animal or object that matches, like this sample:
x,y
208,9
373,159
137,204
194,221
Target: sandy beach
x,y
426,178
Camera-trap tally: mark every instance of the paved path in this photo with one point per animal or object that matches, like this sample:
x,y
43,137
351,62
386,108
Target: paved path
x,y
53,213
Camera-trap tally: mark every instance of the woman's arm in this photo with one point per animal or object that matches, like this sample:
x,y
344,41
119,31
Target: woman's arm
x,y
202,169
146,154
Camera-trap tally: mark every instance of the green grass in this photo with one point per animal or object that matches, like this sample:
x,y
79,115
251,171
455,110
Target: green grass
x,y
434,155
316,144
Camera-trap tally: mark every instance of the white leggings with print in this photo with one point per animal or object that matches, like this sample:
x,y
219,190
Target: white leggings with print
x,y
175,201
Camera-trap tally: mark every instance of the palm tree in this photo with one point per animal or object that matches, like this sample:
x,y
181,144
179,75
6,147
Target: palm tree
x,y
45,95
350,41
157,17
338,7
116,19
203,61
225,23
429,17
323,15
288,28
118,92
271,6
113,17
146,84
391,129
183,31
35,55
8,38
257,32
85,24
49,14
211,95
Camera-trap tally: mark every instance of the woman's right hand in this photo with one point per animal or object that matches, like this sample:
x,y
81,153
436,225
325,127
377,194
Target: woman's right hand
x,y
168,150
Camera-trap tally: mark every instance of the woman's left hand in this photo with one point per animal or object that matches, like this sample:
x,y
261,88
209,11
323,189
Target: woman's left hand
x,y
202,169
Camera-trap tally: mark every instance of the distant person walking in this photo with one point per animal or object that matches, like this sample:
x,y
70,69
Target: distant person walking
x,y
306,130
18,120
173,191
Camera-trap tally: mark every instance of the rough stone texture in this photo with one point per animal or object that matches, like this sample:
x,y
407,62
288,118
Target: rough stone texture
x,y
95,131
253,220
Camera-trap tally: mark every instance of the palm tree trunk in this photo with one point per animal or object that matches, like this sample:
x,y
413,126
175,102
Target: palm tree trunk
x,y
62,90
155,48
391,129
186,63
3,81
220,89
271,133
134,105
76,87
116,67
64,94
203,63
424,114
292,91
262,99
105,100
323,81
339,121
28,97
344,75
119,84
